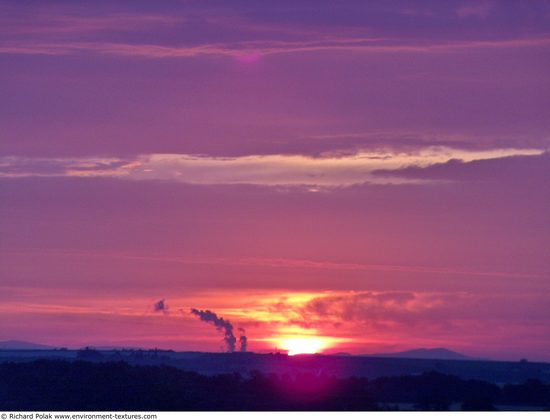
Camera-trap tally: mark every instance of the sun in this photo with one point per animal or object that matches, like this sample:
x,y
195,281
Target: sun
x,y
302,345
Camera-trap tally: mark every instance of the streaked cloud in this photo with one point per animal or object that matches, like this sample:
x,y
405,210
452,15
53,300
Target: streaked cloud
x,y
244,50
15,167
247,30
266,170
277,263
535,169
479,9
54,24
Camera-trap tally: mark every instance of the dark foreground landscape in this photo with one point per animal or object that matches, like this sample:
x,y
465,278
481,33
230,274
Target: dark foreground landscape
x,y
145,381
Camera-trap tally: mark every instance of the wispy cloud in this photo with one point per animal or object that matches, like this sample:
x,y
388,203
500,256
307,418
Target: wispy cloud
x,y
479,9
509,167
291,263
16,166
50,24
266,170
261,48
378,308
399,308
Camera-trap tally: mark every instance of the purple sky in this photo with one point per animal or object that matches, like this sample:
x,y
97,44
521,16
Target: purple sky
x,y
374,173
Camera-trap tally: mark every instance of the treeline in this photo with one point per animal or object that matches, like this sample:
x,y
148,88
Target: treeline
x,y
53,385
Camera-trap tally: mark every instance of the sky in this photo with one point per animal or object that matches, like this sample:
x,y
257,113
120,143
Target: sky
x,y
372,175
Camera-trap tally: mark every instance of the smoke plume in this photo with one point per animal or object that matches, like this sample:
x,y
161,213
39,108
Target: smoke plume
x,y
223,326
161,306
242,340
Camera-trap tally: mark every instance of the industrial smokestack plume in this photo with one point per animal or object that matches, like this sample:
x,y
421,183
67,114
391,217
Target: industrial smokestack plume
x,y
223,326
242,340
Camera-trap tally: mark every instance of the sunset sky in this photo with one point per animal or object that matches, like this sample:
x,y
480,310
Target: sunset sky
x,y
374,175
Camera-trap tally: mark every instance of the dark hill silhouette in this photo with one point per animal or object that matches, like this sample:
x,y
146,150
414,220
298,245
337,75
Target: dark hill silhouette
x,y
118,386
435,354
336,365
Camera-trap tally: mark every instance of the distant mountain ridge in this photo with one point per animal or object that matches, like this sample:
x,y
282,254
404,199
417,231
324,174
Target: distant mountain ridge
x,y
420,353
423,353
23,345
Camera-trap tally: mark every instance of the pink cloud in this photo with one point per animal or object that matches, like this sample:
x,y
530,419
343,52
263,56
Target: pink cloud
x,y
257,49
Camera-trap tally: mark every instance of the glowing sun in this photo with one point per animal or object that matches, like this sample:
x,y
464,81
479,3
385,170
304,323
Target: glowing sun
x,y
302,345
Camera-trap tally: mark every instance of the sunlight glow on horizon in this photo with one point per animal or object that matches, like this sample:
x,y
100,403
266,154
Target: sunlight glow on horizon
x,y
303,345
